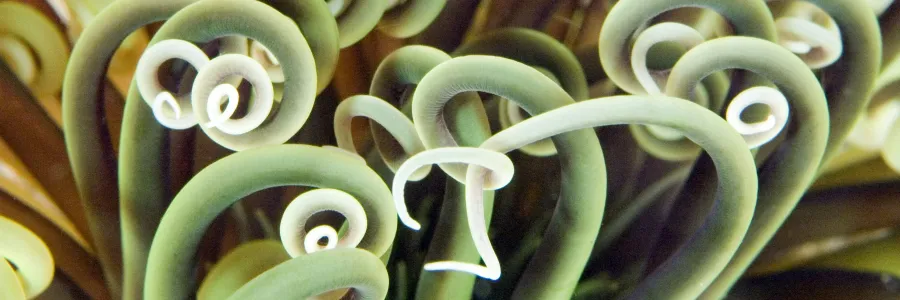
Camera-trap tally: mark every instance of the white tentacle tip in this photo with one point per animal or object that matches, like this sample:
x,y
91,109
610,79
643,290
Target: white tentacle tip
x,y
165,98
758,133
311,241
221,93
477,270
409,222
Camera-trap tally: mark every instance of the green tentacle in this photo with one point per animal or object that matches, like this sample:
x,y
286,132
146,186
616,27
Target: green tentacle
x,y
226,181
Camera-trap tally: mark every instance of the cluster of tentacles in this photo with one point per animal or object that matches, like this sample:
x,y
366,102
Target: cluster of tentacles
x,y
241,149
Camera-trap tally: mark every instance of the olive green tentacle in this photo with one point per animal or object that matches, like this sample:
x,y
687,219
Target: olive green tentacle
x,y
533,48
696,264
143,139
789,171
749,18
358,20
320,30
848,82
226,181
542,52
239,266
617,225
508,113
397,125
26,26
298,278
410,18
92,158
556,267
400,71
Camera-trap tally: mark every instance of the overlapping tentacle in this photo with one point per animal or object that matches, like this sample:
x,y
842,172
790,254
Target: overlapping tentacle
x,y
718,115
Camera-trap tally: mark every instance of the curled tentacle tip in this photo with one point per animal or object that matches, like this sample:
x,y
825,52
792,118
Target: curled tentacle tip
x,y
158,112
758,133
311,241
808,31
413,225
663,32
499,172
303,207
146,77
209,86
267,59
226,92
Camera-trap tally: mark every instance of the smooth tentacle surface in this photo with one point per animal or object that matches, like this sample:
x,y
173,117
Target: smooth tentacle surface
x,y
792,170
239,267
849,81
88,146
143,140
556,267
228,180
501,172
382,113
357,269
395,78
538,50
707,122
748,18
700,261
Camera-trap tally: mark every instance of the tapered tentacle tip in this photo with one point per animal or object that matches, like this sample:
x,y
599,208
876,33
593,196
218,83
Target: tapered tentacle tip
x,y
412,224
477,270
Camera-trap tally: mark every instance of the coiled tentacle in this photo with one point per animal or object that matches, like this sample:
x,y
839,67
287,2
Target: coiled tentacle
x,y
697,263
749,18
553,273
228,180
467,121
792,170
142,139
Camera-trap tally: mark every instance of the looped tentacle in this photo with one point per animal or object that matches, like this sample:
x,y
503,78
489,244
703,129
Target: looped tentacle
x,y
91,155
749,18
180,112
31,257
293,222
395,79
785,175
700,261
228,180
143,139
382,113
559,261
811,33
496,170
